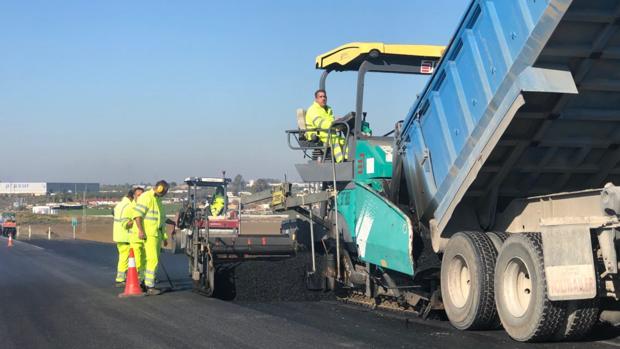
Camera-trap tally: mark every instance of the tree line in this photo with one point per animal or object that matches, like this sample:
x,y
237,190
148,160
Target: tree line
x,y
239,184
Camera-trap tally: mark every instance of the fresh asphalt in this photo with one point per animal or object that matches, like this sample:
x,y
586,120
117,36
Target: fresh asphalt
x,y
60,294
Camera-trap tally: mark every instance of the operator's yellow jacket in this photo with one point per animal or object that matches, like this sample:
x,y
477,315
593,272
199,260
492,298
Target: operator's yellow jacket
x,y
319,117
218,204
323,118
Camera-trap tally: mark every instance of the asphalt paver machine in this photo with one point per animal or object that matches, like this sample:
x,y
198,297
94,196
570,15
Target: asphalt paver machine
x,y
215,245
334,191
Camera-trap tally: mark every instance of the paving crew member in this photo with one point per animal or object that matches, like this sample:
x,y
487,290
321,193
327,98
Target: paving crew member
x,y
121,232
135,242
321,116
150,220
218,202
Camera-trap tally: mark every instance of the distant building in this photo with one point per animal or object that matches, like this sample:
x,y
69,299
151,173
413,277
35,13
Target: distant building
x,y
72,187
44,188
43,210
23,188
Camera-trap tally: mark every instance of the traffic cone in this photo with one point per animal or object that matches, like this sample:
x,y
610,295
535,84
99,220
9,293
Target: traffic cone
x,y
132,285
10,244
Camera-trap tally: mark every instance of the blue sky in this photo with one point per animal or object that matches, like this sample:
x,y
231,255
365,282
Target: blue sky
x,y
130,91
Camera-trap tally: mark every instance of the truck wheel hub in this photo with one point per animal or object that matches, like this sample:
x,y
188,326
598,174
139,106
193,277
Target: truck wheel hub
x,y
459,282
517,287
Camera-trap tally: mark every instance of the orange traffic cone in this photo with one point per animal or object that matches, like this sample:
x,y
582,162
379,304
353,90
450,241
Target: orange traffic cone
x,y
10,244
132,285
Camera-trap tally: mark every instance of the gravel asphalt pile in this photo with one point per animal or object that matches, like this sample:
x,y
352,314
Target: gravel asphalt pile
x,y
276,281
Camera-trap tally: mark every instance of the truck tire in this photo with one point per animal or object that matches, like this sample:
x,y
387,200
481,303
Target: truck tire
x,y
467,271
524,309
498,238
581,316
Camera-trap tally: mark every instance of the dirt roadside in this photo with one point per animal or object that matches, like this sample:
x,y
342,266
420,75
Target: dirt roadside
x,y
100,228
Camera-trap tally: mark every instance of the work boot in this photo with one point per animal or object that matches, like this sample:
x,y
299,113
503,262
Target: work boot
x,y
119,284
152,291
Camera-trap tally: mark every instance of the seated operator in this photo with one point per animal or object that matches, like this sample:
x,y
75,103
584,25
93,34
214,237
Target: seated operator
x,y
217,202
321,116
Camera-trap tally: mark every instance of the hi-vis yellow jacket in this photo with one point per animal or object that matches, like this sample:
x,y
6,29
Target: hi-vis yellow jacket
x,y
150,208
318,117
122,212
218,205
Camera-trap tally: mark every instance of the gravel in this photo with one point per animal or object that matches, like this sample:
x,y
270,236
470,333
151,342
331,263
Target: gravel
x,y
275,281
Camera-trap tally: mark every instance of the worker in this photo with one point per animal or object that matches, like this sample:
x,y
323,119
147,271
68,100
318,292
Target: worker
x,y
217,202
150,219
321,116
121,232
135,243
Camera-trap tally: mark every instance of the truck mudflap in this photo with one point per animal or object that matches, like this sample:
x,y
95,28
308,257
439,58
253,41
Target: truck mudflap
x,y
569,262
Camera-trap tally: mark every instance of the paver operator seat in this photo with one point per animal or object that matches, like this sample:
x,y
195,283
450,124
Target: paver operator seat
x,y
301,125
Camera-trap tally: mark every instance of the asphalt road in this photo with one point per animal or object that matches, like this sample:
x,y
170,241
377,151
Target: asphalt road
x,y
60,294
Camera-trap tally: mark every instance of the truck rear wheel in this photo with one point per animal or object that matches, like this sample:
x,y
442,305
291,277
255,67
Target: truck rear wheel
x,y
524,309
467,270
581,316
498,238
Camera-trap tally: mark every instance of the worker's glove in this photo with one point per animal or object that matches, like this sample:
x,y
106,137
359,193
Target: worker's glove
x,y
166,243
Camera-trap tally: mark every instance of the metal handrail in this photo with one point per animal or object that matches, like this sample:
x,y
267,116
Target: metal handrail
x,y
324,146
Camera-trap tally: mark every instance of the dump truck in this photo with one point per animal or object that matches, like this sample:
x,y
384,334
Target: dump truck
x,y
493,198
214,241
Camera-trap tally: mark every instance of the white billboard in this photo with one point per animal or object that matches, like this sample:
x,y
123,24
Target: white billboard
x,y
23,188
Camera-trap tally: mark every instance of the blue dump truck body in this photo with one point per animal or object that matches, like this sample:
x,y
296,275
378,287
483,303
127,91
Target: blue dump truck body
x,y
524,102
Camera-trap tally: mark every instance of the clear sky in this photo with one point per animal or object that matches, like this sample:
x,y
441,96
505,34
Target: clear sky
x,y
130,91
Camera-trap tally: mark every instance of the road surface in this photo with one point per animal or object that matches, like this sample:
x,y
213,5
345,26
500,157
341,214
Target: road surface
x,y
60,294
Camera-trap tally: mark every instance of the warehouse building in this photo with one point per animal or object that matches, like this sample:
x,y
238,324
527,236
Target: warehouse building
x,y
45,188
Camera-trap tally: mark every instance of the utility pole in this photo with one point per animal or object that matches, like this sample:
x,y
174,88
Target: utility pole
x,y
84,211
